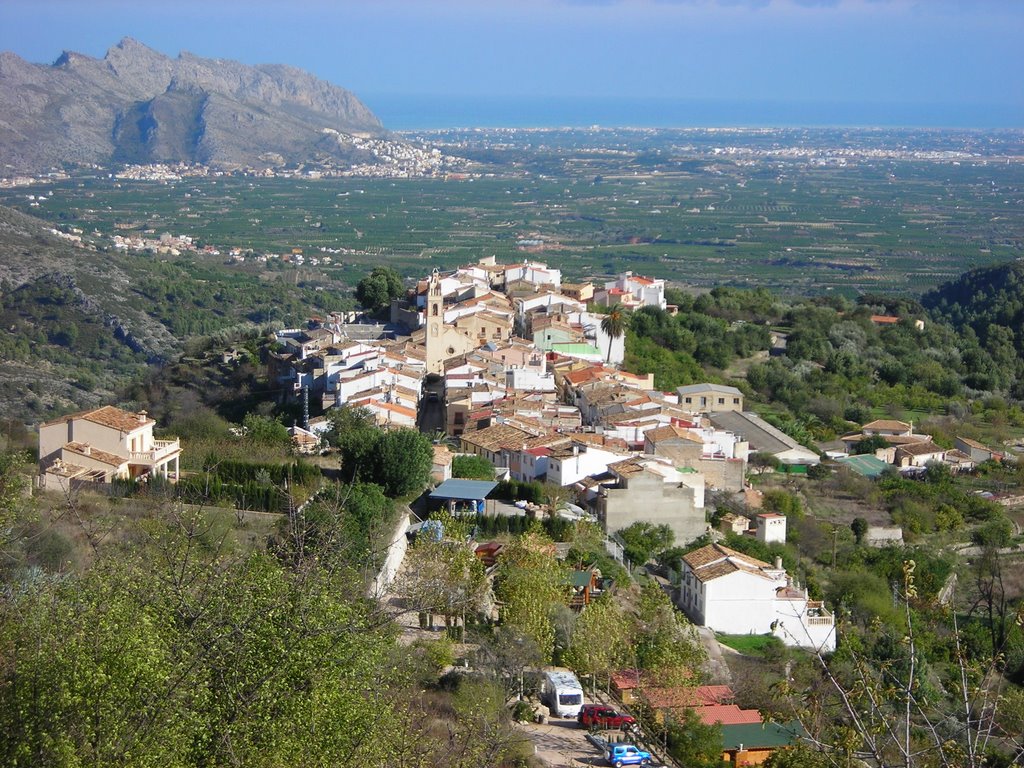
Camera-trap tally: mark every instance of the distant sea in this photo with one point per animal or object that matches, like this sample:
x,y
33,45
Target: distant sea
x,y
419,112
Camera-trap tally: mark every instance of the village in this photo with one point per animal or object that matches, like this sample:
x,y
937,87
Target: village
x,y
507,363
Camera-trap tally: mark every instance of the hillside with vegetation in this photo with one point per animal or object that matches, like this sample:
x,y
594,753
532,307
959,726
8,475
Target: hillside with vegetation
x,y
83,322
987,304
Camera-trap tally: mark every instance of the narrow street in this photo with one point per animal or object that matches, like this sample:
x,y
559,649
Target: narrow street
x,y
431,416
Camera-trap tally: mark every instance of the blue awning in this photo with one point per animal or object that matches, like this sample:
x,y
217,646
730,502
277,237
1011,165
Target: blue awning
x,y
463,490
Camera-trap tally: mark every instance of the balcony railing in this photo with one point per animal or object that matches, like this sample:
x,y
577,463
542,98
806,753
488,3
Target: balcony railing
x,y
160,451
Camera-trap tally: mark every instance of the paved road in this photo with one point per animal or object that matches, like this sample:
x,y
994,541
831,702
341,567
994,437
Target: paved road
x,y
562,744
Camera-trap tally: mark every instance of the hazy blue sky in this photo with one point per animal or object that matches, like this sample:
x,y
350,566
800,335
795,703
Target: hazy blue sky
x,y
964,54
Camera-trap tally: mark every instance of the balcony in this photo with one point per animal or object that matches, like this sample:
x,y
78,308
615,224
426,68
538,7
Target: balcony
x,y
161,451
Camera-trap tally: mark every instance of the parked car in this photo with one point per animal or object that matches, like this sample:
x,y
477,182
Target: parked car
x,y
626,754
604,717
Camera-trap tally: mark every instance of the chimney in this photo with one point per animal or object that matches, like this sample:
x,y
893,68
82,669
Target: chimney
x,y
778,563
87,449
142,417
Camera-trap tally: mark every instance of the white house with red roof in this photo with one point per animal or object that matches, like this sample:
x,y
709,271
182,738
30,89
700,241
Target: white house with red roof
x,y
633,291
736,594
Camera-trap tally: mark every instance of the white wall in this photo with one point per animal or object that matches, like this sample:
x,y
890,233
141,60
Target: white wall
x,y
530,379
570,470
796,629
741,603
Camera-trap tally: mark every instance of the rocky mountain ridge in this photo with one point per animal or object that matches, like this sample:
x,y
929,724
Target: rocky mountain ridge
x,y
136,105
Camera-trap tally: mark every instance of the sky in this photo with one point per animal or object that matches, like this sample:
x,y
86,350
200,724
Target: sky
x,y
956,60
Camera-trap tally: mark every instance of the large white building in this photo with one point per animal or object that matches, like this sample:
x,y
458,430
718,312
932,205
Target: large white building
x,y
734,593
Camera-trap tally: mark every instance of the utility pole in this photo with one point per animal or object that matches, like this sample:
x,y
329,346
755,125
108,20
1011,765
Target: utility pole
x,y
305,413
835,536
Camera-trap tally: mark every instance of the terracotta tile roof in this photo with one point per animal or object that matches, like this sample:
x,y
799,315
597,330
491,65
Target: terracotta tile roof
x,y
84,449
706,566
628,679
63,469
670,432
701,697
626,467
899,440
727,714
616,444
790,593
498,436
887,424
443,456
107,416
920,449
715,694
716,570
66,418
377,404
974,444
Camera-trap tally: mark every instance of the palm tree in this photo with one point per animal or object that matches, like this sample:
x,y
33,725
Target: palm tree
x,y
614,325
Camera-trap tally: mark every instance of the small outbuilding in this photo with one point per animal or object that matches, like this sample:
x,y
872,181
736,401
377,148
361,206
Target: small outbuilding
x,y
753,743
458,492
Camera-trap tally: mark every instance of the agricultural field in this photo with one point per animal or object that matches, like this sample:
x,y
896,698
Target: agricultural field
x,y
801,212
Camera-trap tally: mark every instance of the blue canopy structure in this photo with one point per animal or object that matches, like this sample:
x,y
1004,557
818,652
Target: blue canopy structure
x,y
458,489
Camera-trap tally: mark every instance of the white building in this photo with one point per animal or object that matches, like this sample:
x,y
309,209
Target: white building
x,y
710,398
771,528
535,273
571,463
633,291
529,380
613,350
737,594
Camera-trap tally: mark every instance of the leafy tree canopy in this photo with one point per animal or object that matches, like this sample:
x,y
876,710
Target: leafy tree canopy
x,y
377,289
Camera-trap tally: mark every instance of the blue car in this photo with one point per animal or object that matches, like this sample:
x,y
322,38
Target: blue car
x,y
626,754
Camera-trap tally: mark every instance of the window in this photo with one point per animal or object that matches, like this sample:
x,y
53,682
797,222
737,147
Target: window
x,y
721,401
735,401
689,399
434,310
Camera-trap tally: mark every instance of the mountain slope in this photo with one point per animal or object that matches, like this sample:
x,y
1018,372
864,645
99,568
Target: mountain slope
x,y
79,324
989,301
138,105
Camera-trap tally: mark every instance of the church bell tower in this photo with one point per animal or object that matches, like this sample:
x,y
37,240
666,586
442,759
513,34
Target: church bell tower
x,y
435,324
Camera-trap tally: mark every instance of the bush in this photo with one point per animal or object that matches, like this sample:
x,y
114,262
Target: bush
x,y
472,468
522,712
517,490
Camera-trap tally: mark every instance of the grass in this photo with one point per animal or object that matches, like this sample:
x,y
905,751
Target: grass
x,y
751,645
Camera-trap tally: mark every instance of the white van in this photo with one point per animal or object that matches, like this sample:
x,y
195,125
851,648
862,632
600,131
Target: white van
x,y
562,693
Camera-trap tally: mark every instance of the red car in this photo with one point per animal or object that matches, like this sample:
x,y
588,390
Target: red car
x,y
604,718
